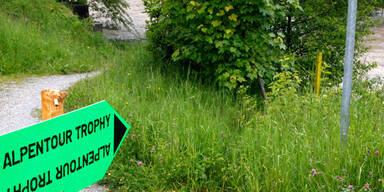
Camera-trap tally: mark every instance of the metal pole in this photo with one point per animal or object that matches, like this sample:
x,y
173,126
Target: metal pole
x,y
348,69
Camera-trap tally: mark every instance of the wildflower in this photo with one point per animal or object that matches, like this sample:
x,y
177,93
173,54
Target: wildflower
x,y
380,180
369,151
130,115
131,160
314,172
339,178
89,96
319,173
139,163
153,149
367,186
160,159
344,170
377,152
129,74
133,135
126,103
350,186
138,135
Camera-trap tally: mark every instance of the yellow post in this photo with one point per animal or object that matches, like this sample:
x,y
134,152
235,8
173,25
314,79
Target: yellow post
x,y
318,73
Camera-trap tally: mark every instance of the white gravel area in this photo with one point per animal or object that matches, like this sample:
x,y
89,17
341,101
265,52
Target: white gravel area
x,y
376,53
18,100
94,188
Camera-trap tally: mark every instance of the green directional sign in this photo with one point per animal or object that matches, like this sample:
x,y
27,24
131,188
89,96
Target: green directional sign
x,y
66,153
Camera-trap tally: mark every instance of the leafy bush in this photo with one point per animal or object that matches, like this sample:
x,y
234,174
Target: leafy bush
x,y
235,42
232,42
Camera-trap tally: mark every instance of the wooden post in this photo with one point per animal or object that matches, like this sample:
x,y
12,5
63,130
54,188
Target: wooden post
x,y
318,72
52,103
261,84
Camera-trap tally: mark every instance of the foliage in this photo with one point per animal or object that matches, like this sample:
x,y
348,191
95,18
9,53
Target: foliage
x,y
285,83
43,37
231,42
112,12
190,136
234,42
320,26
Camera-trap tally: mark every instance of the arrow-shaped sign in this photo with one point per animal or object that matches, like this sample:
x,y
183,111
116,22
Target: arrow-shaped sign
x,y
66,153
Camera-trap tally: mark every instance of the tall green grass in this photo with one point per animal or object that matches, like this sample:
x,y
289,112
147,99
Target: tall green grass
x,y
192,137
43,37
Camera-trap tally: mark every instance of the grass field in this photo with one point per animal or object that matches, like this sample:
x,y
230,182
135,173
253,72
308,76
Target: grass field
x,y
43,37
188,136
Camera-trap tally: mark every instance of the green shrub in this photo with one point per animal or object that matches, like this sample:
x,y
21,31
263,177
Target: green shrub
x,y
235,42
231,42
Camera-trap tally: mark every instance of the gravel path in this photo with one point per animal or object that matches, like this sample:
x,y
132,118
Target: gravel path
x,y
376,53
21,103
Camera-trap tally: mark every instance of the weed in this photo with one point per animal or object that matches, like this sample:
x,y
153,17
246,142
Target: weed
x,y
201,146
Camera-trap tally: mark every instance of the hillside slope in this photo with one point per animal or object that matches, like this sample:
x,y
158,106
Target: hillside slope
x,y
44,37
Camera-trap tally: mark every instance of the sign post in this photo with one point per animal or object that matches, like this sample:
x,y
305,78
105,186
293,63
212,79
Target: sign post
x,y
66,153
348,69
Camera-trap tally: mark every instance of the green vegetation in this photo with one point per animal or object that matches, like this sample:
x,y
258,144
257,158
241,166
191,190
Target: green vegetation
x,y
235,42
320,26
43,37
230,42
191,137
188,135
113,11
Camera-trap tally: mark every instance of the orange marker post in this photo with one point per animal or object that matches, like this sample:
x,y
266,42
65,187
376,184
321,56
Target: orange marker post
x,y
52,103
